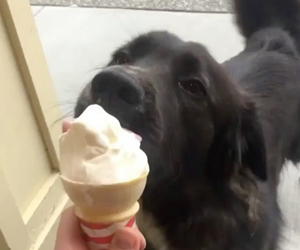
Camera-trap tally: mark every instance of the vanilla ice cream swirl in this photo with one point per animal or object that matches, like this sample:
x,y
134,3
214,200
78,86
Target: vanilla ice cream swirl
x,y
97,150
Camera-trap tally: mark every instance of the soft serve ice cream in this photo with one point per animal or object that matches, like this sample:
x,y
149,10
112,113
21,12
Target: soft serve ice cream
x,y
97,150
104,172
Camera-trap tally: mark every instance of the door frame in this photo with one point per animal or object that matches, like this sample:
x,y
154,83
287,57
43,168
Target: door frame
x,y
36,228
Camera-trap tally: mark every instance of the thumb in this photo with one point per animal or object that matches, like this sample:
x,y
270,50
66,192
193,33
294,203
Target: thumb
x,y
127,239
66,125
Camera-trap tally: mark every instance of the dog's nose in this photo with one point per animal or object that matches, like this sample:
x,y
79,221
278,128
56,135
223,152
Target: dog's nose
x,y
115,86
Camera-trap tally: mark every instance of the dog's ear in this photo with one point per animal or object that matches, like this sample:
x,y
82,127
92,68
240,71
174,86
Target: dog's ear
x,y
239,145
252,143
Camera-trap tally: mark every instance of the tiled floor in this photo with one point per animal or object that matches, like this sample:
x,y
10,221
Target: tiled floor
x,y
77,41
184,5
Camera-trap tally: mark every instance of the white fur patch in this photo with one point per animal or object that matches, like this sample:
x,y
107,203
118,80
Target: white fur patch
x,y
148,227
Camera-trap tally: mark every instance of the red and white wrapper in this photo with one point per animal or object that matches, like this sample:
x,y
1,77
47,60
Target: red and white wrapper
x,y
99,236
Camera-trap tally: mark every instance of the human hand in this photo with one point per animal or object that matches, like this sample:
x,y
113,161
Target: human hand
x,y
69,236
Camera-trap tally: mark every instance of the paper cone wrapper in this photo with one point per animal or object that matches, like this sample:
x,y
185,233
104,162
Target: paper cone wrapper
x,y
99,236
99,229
103,209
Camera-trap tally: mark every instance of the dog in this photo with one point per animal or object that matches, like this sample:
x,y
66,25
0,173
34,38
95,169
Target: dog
x,y
216,135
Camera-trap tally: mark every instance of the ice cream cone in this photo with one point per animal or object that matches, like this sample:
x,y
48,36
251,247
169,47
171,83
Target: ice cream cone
x,y
104,172
103,209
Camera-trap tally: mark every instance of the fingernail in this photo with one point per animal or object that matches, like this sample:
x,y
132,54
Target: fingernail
x,y
124,243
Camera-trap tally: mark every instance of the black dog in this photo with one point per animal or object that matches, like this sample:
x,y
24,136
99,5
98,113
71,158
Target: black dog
x,y
216,135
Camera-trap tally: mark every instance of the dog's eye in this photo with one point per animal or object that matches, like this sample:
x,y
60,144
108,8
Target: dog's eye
x,y
192,86
122,58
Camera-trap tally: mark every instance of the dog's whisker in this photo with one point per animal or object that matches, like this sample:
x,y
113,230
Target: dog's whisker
x,y
96,68
68,114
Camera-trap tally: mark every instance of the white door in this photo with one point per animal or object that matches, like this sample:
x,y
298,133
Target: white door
x,y
31,196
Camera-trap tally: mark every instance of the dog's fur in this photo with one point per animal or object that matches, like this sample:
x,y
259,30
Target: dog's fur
x,y
216,135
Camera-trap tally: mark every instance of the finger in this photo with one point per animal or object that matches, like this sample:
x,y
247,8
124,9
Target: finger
x,y
142,240
69,236
66,125
128,239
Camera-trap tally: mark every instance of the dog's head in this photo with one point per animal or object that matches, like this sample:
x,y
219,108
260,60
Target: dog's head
x,y
193,119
